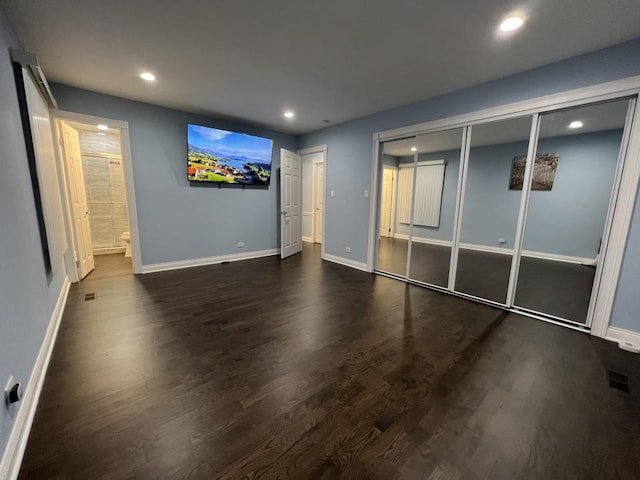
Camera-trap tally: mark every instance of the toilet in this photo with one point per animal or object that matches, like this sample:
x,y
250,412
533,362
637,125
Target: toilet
x,y
127,239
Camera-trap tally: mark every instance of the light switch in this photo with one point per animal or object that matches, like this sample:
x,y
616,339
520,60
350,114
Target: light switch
x,y
333,193
366,194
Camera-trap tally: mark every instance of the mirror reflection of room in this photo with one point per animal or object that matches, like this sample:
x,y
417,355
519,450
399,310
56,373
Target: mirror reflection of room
x,y
490,209
395,192
574,175
436,176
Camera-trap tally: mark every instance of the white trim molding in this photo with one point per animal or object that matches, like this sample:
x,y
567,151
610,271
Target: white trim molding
x,y
199,262
430,241
346,262
310,150
307,239
14,451
109,250
620,335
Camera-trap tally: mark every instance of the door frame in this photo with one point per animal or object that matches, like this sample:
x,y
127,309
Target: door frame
x,y
125,145
394,198
324,150
622,203
314,219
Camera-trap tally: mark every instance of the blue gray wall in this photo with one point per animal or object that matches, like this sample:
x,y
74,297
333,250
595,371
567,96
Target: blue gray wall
x,y
27,299
348,169
178,221
626,309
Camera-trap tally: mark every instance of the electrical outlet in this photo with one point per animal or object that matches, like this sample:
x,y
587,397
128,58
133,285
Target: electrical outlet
x,y
502,241
240,244
347,249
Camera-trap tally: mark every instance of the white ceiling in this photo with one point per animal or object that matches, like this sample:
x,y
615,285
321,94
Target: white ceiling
x,y
331,59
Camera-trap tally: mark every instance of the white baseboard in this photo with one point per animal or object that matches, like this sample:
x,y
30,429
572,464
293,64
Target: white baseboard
x,y
559,258
503,251
430,241
307,239
486,248
346,262
198,262
13,453
109,251
616,334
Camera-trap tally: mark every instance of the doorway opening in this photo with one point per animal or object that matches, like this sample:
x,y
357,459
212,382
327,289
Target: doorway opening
x,y
313,195
92,160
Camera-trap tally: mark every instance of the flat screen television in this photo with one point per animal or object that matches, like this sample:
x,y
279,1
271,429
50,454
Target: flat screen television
x,y
220,156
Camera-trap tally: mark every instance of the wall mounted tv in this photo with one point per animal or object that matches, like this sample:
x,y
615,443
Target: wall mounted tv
x,y
220,156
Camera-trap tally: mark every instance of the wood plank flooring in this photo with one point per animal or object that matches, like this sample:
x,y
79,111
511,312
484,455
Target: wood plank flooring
x,y
303,369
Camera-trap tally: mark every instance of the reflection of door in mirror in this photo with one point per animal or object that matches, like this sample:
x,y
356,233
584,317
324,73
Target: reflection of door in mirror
x,y
571,189
490,209
394,203
387,203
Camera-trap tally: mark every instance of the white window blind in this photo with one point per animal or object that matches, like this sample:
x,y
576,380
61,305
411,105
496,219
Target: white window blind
x,y
429,183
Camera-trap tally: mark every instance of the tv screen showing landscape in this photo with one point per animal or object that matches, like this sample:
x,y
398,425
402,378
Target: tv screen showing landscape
x,y
227,157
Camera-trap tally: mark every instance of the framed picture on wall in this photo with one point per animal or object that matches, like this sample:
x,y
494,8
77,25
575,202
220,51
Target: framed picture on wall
x,y
544,171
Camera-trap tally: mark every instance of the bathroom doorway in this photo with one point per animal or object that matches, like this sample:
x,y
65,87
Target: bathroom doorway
x,y
93,157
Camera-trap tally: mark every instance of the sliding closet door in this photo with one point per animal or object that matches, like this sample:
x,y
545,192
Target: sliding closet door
x,y
490,208
571,187
436,175
394,211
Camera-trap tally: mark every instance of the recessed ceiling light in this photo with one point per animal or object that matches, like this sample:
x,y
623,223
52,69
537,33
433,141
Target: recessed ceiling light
x,y
414,149
289,114
511,23
148,76
576,124
102,127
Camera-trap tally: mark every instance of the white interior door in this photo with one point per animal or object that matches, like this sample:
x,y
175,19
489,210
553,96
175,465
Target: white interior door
x,y
387,200
319,202
290,203
80,210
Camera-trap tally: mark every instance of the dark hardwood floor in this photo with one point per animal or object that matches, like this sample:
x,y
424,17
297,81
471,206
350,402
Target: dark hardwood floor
x,y
555,288
303,369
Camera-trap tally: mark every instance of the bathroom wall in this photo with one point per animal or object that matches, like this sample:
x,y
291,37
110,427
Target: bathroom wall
x,y
105,188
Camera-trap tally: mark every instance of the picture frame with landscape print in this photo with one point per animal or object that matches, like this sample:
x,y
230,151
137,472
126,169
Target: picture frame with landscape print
x,y
544,171
221,156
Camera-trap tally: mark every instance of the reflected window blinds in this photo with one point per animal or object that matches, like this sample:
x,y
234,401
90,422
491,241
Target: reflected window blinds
x,y
429,184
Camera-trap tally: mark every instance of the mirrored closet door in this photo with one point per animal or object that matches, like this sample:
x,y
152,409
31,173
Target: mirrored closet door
x,y
436,172
490,207
572,180
394,203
